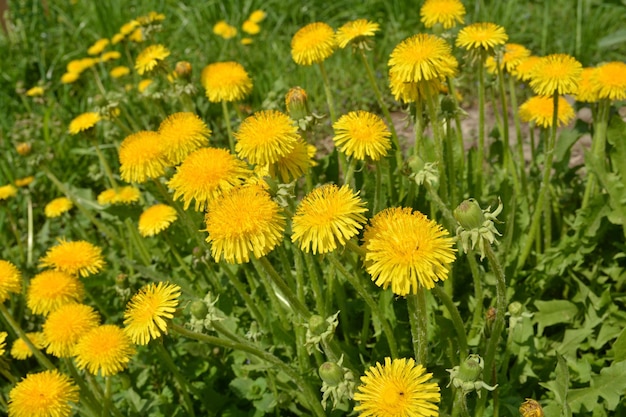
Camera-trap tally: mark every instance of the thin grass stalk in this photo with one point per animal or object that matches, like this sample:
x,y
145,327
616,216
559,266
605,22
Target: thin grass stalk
x,y
449,153
543,190
418,319
43,361
378,203
315,283
18,239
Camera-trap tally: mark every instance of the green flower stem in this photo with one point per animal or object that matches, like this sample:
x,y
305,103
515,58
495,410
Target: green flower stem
x,y
43,361
457,321
231,138
348,177
598,148
107,396
277,280
278,303
418,319
138,242
419,127
383,107
177,255
9,377
250,303
354,247
104,163
477,315
314,278
508,161
329,93
373,305
96,76
459,128
452,183
304,363
432,106
30,231
478,169
180,380
86,393
518,136
543,190
447,214
14,228
245,346
378,195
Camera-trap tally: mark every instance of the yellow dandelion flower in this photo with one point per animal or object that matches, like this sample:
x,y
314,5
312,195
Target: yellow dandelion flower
x,y
66,325
151,17
45,394
257,16
587,91
150,58
409,92
362,134
183,133
155,219
266,136
447,13
23,148
57,207
3,345
146,313
205,174
422,57
142,156
247,41
540,110
293,165
250,27
243,221
400,387
79,65
406,250
110,56
355,31
313,43
24,182
106,349
51,289
124,195
106,196
558,73
69,77
74,257
129,27
83,122
296,103
98,46
10,280
35,91
7,191
326,217
117,38
144,84
524,69
610,81
225,81
531,408
21,351
223,29
513,55
136,36
482,35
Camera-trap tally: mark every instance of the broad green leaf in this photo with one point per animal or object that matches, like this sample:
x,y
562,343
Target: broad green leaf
x,y
572,340
609,385
559,386
619,347
553,312
616,38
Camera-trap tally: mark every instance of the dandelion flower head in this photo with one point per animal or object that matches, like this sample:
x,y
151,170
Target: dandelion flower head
x,y
447,13
10,280
205,174
250,27
45,394
35,91
74,257
223,29
51,289
587,90
558,73
399,388
119,72
295,164
24,182
524,68
150,58
244,221
422,57
362,134
225,81
98,46
147,311
110,56
313,43
513,55
266,136
540,110
57,207
609,80
83,122
481,36
142,157
410,92
7,191
3,344
257,16
21,351
66,325
327,217
354,31
155,219
406,250
182,133
77,66
106,349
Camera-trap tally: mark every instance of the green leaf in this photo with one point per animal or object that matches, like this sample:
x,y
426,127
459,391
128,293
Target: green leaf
x,y
616,38
609,385
554,312
619,347
559,386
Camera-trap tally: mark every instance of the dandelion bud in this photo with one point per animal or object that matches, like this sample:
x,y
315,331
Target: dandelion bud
x,y
415,163
23,148
448,106
469,214
183,69
331,373
121,281
471,369
490,317
317,325
297,103
516,309
199,310
530,408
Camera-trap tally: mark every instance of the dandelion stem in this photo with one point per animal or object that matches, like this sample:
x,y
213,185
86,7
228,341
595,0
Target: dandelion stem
x,y
478,169
88,398
329,93
104,163
419,127
518,135
457,321
30,232
418,319
182,382
459,128
478,295
231,139
295,304
376,311
432,106
598,148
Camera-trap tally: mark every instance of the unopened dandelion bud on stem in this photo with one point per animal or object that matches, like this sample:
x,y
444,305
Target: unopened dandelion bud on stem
x,y
199,309
530,408
331,373
317,325
297,103
183,69
469,214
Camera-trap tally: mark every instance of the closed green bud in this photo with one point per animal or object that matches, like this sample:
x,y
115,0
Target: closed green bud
x,y
317,325
469,215
415,163
471,369
331,373
199,310
516,309
297,103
